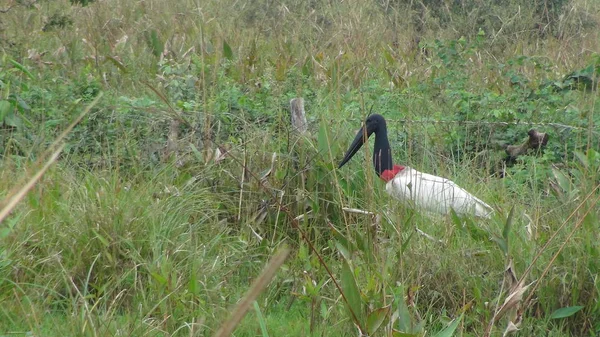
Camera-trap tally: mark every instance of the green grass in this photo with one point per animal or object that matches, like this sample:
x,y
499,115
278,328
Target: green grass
x,y
122,237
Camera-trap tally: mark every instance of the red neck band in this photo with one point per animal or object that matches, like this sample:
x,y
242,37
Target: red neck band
x,y
388,175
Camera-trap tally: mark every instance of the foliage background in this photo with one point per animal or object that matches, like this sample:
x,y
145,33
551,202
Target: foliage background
x,y
140,230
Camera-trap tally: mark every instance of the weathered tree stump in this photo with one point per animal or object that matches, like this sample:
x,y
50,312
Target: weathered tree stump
x,y
537,140
172,146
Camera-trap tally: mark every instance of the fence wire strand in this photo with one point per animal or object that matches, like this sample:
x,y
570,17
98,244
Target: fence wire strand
x,y
478,123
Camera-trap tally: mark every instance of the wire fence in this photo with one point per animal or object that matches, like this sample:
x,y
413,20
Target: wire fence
x,y
555,125
479,123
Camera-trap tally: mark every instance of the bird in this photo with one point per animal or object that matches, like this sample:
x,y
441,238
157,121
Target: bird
x,y
423,191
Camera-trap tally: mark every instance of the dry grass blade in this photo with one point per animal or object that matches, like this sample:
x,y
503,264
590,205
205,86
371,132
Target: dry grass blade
x,y
14,199
257,287
558,230
510,328
52,152
429,237
512,301
357,211
301,216
72,125
510,276
562,246
172,109
52,147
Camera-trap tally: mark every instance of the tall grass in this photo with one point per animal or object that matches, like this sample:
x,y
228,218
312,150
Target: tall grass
x,y
128,237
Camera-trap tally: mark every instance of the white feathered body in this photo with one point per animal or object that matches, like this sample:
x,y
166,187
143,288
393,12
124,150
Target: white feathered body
x,y
435,194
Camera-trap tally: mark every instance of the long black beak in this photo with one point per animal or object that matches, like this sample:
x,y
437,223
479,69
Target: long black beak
x,y
361,138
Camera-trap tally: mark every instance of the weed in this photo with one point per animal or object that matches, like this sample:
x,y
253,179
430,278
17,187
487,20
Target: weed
x,y
185,177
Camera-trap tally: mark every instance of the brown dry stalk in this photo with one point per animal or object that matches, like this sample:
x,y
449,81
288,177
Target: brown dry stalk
x,y
173,111
257,287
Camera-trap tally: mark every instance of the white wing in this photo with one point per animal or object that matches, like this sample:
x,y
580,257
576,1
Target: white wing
x,y
435,194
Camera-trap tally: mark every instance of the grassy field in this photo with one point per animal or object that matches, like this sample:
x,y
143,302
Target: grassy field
x,y
142,228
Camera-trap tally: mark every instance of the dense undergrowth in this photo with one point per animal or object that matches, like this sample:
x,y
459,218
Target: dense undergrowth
x,y
142,228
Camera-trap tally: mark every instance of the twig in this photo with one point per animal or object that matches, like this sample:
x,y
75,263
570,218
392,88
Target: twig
x,y
6,10
428,236
242,188
356,211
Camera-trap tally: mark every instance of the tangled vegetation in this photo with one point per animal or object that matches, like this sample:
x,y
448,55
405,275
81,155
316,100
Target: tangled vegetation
x,y
184,176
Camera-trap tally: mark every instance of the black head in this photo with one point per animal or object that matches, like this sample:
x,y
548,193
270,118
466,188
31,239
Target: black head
x,y
382,157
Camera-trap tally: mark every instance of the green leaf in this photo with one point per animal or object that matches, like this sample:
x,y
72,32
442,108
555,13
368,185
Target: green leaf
x,y
21,68
154,42
562,180
566,312
396,333
406,242
5,109
388,57
404,319
193,283
158,277
509,222
352,293
197,153
582,158
592,156
323,139
261,320
361,244
13,120
116,62
4,232
22,105
324,310
101,238
475,231
307,67
407,224
449,330
227,52
343,241
342,249
375,319
455,218
501,243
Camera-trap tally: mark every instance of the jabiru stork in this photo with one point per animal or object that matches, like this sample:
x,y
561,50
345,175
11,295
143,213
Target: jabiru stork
x,y
421,190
